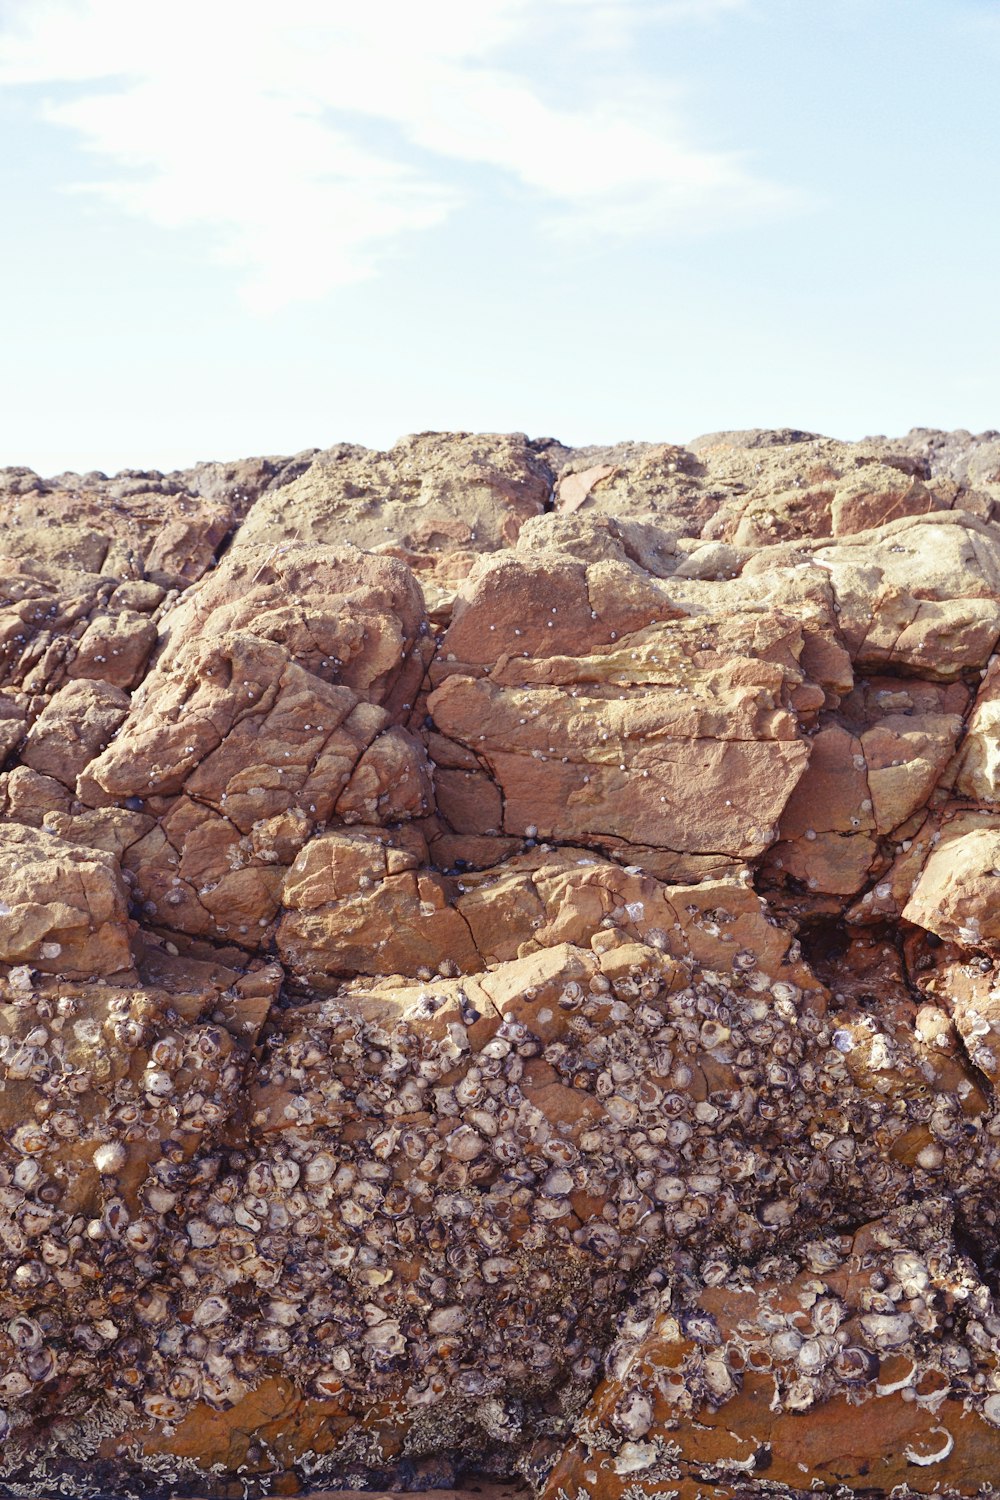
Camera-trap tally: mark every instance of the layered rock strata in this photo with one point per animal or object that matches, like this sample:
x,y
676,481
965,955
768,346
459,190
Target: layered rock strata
x,y
498,971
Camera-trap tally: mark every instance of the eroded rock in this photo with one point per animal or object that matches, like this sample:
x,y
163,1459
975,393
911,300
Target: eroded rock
x,y
498,971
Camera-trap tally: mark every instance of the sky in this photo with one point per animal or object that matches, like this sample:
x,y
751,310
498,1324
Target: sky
x,y
233,227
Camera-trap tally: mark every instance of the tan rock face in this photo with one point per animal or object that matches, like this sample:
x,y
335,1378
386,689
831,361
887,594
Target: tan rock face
x,y
63,906
436,500
498,972
268,715
605,716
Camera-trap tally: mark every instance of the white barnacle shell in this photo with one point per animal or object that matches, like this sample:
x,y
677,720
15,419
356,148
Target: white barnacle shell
x,y
385,1337
634,1414
718,1380
800,1394
142,1235
841,1150
157,1083
29,1139
260,1178
887,1330
160,1199
465,1144
557,1183
714,1034
26,1174
495,1268
151,1306
214,1309
827,1314
40,1365
165,1052
281,1310
269,1338
162,1408
911,1273
786,1344
937,1457
327,1383
24,1333
201,1233
669,1189
446,1319
633,1457
320,1168
14,1384
185,1381
701,1327
623,1111
812,1356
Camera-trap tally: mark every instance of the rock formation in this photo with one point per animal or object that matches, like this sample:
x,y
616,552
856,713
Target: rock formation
x,y
500,971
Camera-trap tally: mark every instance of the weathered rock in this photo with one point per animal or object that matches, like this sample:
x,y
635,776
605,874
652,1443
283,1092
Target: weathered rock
x,y
953,896
79,527
268,714
341,614
436,500
73,728
610,718
499,971
62,907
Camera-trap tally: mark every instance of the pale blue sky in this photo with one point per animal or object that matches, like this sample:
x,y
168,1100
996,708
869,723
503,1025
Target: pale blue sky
x,y
236,226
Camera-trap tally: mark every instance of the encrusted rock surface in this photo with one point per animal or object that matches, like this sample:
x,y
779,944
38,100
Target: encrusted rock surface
x,y
499,972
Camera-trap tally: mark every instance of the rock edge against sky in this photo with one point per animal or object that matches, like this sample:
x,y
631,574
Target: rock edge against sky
x,y
498,971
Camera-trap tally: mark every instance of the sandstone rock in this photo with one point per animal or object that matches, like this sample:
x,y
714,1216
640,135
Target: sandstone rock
x,y
12,725
115,648
920,594
353,905
80,527
73,728
979,769
343,615
62,907
28,796
953,896
499,971
859,788
436,500
608,720
263,720
877,493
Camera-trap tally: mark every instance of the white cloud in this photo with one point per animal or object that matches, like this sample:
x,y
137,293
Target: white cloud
x,y
312,137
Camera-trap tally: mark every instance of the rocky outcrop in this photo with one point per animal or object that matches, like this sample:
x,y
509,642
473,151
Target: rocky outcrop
x,y
498,971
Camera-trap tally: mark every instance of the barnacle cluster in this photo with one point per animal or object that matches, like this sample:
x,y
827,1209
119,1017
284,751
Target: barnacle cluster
x,y
438,1214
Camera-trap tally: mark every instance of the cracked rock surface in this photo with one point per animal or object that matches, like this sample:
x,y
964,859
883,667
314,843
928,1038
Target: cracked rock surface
x,y
499,972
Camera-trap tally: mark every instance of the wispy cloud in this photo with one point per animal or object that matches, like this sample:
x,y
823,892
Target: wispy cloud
x,y
313,137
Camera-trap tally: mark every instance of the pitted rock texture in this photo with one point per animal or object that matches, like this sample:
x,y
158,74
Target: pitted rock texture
x,y
498,971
